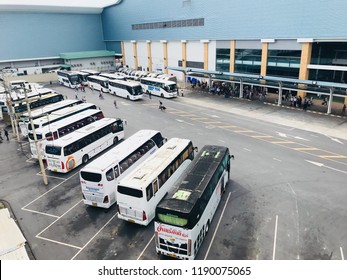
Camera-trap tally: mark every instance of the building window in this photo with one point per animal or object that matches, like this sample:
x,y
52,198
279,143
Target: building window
x,y
284,63
169,24
247,61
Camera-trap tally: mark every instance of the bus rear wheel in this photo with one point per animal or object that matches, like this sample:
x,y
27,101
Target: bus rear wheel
x,y
128,97
115,140
162,95
85,159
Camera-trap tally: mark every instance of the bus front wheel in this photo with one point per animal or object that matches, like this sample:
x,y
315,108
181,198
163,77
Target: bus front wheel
x,y
207,227
115,140
85,159
162,95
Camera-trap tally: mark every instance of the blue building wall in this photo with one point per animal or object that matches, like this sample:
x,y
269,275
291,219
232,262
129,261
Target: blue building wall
x,y
30,35
232,19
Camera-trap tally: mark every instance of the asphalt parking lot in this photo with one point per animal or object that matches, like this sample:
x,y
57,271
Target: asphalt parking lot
x,y
279,204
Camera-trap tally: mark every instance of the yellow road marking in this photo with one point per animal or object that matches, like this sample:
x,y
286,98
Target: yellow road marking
x,y
243,131
262,136
306,149
333,156
283,142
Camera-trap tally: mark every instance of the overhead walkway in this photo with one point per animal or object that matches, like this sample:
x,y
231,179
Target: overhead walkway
x,y
319,88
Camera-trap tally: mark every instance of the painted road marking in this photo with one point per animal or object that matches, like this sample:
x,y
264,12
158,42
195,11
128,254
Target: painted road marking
x,y
149,242
90,240
262,136
275,239
342,256
306,149
215,231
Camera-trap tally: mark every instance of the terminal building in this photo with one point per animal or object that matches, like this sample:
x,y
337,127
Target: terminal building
x,y
295,39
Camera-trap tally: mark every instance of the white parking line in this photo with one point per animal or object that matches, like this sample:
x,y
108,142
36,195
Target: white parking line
x,y
37,212
58,242
23,208
275,239
342,256
49,176
215,231
149,242
90,240
277,159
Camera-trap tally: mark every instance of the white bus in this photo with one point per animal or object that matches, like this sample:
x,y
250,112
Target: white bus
x,y
60,114
68,78
127,89
46,110
63,127
99,178
141,190
90,72
78,147
184,216
159,87
98,83
82,77
112,76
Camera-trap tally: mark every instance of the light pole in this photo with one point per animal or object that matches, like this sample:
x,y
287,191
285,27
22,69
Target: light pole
x,y
45,180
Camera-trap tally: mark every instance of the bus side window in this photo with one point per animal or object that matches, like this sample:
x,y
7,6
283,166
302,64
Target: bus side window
x,y
149,192
155,186
116,171
110,175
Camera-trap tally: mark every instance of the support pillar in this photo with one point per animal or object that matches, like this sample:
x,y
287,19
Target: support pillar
x,y
232,56
206,42
305,60
149,56
123,53
264,57
165,70
184,58
136,65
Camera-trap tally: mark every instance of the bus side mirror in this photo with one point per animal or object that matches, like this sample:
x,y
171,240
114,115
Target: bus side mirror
x,y
232,156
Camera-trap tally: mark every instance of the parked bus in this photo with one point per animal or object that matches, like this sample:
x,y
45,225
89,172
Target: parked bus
x,y
68,78
159,87
60,128
91,72
112,76
127,89
59,115
141,190
46,110
82,77
76,148
98,83
34,101
99,179
183,217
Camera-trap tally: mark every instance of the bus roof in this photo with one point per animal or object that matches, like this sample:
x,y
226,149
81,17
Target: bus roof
x,y
163,81
38,97
147,171
120,151
97,78
80,133
50,107
193,181
62,112
92,72
127,83
71,119
34,93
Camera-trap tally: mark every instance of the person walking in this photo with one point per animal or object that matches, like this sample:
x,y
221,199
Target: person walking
x,y
149,94
6,134
115,104
343,111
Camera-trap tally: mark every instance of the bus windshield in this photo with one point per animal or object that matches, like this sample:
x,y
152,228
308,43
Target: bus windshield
x,y
74,79
171,88
137,90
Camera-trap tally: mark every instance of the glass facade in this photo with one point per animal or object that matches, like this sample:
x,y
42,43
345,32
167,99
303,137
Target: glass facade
x,y
284,63
223,60
331,54
247,61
